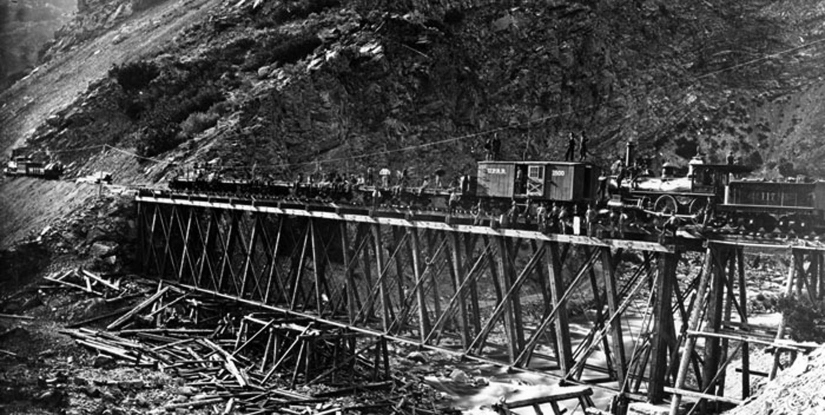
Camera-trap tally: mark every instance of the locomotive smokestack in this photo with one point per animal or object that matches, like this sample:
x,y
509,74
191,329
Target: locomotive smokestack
x,y
628,155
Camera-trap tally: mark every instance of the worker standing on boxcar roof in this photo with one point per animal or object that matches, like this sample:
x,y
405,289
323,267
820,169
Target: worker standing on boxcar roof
x,y
583,147
496,147
571,149
730,158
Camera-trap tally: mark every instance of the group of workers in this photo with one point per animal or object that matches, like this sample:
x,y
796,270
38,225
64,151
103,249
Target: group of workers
x,y
549,217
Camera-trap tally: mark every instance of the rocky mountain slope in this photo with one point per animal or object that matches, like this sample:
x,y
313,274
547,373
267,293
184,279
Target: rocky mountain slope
x,y
277,85
25,27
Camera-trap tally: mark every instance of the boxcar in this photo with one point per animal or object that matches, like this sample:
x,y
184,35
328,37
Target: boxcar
x,y
538,180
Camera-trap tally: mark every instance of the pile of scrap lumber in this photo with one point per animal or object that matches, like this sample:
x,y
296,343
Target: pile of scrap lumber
x,y
242,361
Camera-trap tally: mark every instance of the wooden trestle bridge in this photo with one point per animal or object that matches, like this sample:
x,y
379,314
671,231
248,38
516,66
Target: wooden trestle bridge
x,y
500,296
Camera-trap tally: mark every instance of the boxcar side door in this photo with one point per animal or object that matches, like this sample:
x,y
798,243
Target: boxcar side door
x,y
535,180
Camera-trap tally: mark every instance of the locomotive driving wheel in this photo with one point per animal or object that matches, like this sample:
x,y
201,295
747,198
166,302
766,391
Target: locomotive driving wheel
x,y
666,204
697,210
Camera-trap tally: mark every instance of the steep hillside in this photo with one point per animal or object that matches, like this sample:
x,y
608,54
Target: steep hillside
x,y
144,87
289,82
25,27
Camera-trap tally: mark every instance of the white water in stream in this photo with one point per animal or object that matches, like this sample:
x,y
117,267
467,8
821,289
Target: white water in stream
x,y
519,386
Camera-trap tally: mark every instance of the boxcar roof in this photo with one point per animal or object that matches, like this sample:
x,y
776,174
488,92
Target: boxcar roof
x,y
534,162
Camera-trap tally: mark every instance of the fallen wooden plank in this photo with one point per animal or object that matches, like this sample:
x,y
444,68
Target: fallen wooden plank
x,y
350,389
115,287
169,304
8,353
140,307
229,362
167,331
700,395
73,285
564,393
63,275
117,312
194,404
16,317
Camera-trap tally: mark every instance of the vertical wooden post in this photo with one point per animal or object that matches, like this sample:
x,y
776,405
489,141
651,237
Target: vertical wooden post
x,y
505,271
297,279
729,298
813,271
617,336
273,265
253,239
317,267
780,331
562,325
184,257
226,250
367,267
599,322
458,278
141,235
494,277
399,238
423,318
661,313
690,341
820,277
475,313
382,281
205,258
715,310
743,301
167,235
351,300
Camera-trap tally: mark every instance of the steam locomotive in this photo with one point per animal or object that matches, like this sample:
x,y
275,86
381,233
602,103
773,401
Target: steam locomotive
x,y
710,194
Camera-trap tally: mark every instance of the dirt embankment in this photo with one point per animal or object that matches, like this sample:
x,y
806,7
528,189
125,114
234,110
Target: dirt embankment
x,y
37,204
797,391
